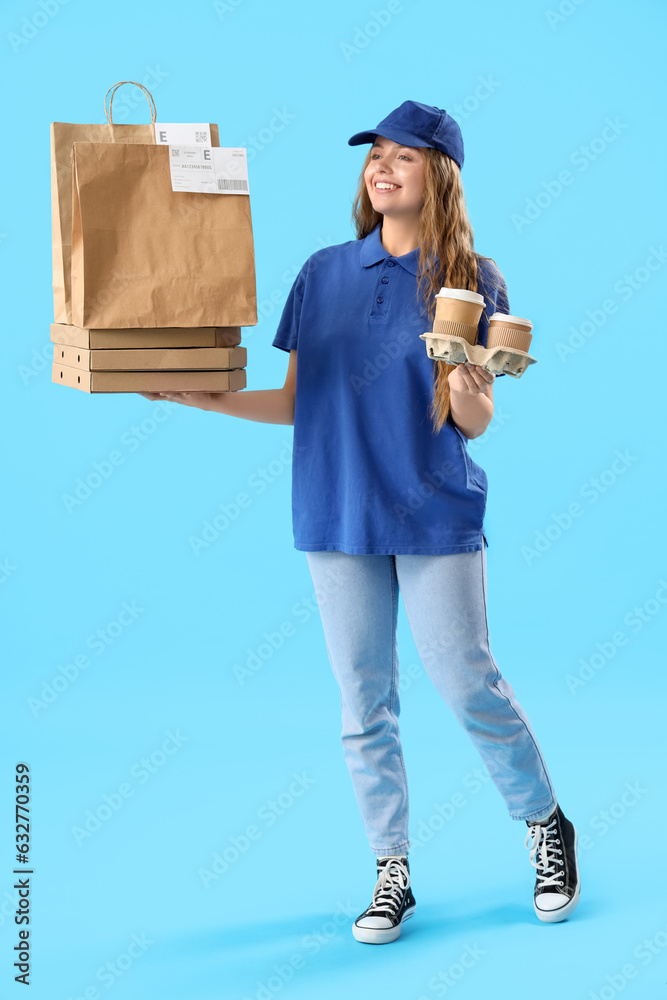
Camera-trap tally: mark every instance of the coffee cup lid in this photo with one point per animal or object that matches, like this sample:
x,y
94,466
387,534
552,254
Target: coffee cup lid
x,y
461,293
506,318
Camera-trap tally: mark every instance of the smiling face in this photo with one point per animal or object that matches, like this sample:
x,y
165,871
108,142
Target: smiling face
x,y
395,178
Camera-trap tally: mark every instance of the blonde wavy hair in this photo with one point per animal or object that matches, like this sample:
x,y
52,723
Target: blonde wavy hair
x,y
447,257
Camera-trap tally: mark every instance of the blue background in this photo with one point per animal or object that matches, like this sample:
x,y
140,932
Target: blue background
x,y
576,609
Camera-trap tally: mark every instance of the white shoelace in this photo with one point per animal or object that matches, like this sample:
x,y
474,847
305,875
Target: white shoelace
x,y
546,874
394,878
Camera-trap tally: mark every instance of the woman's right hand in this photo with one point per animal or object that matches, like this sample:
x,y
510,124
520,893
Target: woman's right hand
x,y
201,400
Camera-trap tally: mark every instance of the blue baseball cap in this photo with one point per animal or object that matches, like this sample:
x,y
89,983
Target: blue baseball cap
x,y
415,124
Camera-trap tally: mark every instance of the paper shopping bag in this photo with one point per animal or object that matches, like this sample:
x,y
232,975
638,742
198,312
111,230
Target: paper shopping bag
x,y
144,255
63,136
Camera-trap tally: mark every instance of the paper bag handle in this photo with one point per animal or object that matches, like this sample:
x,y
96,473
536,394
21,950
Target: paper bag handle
x,y
149,98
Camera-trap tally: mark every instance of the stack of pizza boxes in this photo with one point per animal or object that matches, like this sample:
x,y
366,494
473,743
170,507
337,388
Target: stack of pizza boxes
x,y
159,359
153,258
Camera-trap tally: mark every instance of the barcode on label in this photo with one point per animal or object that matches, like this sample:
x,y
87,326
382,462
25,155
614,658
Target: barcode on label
x,y
224,184
201,137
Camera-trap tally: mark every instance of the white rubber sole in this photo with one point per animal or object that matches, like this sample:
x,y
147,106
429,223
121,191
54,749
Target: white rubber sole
x,y
381,935
555,916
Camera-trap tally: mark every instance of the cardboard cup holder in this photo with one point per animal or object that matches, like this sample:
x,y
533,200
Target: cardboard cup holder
x,y
455,350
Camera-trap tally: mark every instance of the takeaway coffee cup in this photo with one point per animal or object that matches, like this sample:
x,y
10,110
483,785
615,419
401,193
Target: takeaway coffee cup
x,y
509,331
457,313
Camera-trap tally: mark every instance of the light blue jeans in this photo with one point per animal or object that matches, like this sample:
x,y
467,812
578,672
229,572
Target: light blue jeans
x,y
445,602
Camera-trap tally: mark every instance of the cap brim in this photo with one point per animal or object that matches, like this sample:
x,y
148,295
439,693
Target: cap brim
x,y
395,134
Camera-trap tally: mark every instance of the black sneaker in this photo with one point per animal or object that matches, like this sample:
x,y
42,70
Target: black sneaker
x,y
557,885
393,902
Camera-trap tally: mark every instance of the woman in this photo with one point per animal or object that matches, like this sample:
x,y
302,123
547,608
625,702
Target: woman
x,y
386,497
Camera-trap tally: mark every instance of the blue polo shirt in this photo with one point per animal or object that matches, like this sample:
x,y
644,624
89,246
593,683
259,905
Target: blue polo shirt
x,y
369,474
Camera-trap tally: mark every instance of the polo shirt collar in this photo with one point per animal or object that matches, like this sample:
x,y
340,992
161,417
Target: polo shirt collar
x,y
372,252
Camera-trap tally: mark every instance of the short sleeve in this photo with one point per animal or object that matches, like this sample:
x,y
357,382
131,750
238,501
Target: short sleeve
x,y
502,301
287,334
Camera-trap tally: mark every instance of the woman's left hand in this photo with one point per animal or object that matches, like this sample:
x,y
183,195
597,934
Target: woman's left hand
x,y
470,379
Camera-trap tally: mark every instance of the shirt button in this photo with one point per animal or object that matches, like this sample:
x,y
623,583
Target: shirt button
x,y
390,263
385,280
379,299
